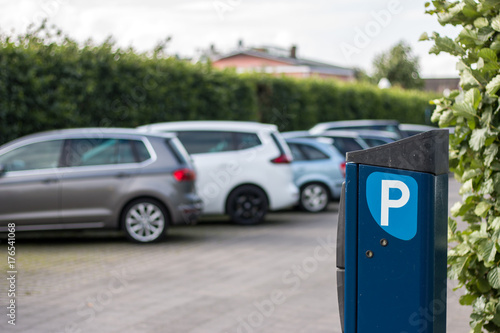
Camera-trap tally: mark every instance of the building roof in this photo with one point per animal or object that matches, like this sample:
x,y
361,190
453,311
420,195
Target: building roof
x,y
315,66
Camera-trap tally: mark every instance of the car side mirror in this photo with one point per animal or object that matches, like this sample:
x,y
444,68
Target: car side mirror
x,y
2,169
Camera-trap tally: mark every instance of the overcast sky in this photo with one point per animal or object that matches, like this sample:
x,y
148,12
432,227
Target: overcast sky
x,y
345,33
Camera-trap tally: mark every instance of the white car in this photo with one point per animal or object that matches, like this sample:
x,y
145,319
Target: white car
x,y
243,168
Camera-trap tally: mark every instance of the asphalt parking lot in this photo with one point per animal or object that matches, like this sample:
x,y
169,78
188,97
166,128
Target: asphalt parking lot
x,y
214,277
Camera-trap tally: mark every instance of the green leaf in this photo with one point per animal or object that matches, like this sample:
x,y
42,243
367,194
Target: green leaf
x,y
483,285
487,187
496,319
493,85
455,209
473,96
470,37
495,224
487,116
480,22
477,327
446,118
496,179
470,11
495,23
452,224
446,44
467,299
490,154
478,138
495,46
488,54
487,251
464,109
494,277
466,187
424,36
467,79
482,208
468,174
457,267
479,304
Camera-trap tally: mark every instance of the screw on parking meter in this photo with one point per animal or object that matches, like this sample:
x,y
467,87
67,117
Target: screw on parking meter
x,y
394,194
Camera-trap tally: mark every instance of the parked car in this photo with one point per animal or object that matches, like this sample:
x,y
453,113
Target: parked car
x,y
243,167
378,125
376,138
97,178
318,171
343,141
413,129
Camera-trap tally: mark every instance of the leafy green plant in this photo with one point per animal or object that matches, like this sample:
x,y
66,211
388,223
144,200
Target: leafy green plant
x,y
474,257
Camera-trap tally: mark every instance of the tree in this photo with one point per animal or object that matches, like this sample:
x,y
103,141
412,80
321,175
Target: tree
x,y
474,257
361,76
399,66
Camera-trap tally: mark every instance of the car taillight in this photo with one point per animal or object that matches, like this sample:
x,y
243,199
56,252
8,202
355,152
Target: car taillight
x,y
283,158
342,169
184,175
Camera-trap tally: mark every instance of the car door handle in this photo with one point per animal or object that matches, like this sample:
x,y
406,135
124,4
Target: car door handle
x,y
50,180
122,175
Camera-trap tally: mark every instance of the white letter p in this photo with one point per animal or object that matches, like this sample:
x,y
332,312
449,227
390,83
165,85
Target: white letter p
x,y
387,203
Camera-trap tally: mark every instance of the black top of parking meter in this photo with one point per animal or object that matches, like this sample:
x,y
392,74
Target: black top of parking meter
x,y
424,152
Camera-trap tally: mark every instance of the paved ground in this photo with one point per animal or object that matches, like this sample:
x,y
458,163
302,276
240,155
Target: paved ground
x,y
214,277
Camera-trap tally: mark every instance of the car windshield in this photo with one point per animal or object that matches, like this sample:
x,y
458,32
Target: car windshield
x,y
345,145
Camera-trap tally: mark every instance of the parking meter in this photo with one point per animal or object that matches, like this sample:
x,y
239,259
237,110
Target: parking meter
x,y
392,237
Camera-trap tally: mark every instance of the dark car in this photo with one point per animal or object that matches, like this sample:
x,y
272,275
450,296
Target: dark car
x,y
364,124
343,141
97,178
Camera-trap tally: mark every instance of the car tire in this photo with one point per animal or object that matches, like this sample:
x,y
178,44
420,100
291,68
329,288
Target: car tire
x,y
145,221
247,205
314,197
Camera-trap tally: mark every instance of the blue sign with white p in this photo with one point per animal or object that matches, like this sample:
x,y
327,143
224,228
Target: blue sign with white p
x,y
393,200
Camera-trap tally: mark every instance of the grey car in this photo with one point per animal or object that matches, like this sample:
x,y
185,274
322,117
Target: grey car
x,y
97,178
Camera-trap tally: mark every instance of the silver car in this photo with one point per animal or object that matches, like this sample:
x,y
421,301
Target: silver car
x,y
97,178
318,171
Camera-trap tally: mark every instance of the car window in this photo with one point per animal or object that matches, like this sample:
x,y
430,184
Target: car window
x,y
40,155
87,152
140,150
177,151
313,153
373,142
297,154
197,142
345,145
247,140
386,128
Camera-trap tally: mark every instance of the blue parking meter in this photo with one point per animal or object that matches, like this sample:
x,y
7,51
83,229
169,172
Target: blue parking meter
x,y
392,237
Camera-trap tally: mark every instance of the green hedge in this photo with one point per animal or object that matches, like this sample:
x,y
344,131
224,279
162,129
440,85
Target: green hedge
x,y
51,82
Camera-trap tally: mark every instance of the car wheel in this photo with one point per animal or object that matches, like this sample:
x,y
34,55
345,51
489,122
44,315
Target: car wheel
x,y
247,205
314,198
145,221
